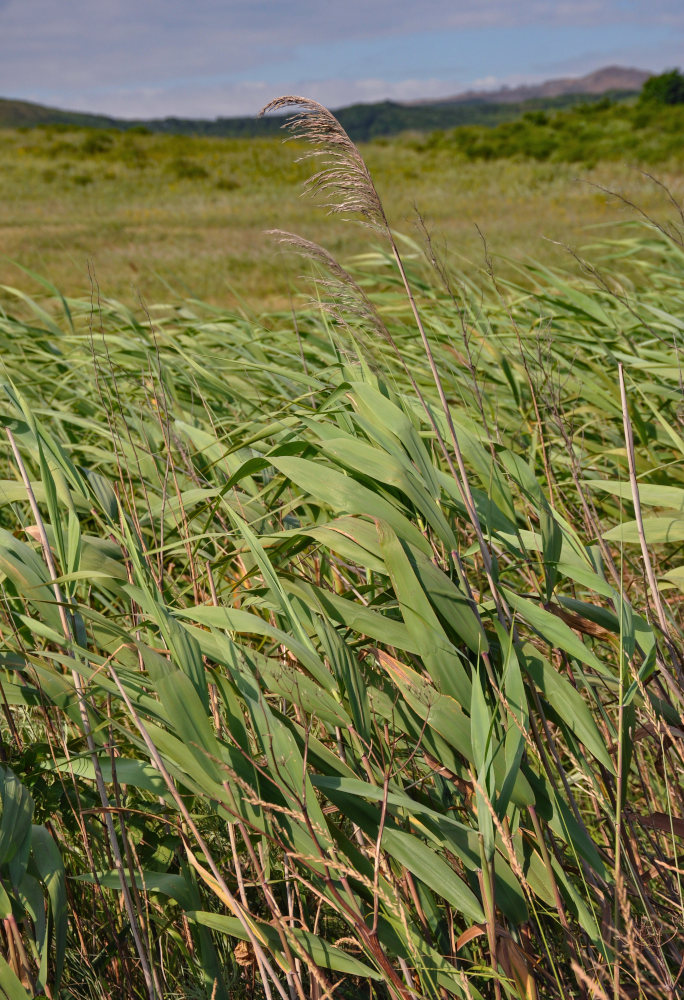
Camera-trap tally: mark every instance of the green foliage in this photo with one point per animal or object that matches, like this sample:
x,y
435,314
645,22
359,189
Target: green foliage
x,y
145,231
667,88
33,903
95,142
362,667
186,169
647,133
363,122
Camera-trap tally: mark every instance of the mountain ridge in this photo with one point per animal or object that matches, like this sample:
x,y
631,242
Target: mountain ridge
x,y
599,81
364,121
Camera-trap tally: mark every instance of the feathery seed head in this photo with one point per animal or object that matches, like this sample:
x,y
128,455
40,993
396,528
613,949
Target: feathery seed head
x,y
345,298
344,179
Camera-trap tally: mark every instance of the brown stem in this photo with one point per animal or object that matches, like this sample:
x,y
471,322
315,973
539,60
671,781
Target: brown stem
x,y
234,904
629,445
85,720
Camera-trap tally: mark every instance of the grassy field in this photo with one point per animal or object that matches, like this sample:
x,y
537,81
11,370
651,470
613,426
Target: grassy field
x,y
341,649
162,217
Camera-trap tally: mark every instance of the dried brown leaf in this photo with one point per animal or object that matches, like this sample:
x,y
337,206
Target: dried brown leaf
x,y
514,963
662,822
467,936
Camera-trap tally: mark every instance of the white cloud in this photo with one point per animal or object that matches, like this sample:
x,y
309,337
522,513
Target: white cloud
x,y
152,57
249,97
486,82
209,101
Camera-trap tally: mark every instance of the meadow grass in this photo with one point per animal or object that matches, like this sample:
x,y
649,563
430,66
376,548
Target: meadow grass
x,y
163,217
342,652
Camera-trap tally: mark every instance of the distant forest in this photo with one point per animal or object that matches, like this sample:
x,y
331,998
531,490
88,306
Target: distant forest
x,y
362,121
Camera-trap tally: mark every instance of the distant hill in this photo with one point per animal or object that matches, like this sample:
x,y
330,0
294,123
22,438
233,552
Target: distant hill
x,y
365,121
601,81
25,114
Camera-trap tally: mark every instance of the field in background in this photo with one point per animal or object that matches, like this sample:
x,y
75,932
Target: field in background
x,y
162,217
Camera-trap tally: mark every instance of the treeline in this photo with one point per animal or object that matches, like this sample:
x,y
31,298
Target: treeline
x,y
363,122
645,128
645,132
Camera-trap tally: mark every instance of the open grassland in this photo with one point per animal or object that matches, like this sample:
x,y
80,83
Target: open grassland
x,y
162,217
342,651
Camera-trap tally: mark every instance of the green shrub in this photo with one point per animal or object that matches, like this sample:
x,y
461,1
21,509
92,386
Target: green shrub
x,y
227,183
184,168
667,88
536,117
96,142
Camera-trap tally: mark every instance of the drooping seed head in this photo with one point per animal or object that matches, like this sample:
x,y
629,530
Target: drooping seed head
x,y
344,179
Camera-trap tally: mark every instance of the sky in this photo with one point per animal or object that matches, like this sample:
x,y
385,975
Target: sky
x,y
209,58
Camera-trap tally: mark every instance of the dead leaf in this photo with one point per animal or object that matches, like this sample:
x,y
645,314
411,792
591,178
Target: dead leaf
x,y
514,963
662,822
470,935
243,953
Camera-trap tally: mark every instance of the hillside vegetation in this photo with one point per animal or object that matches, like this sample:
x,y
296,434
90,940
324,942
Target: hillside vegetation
x,y
160,215
342,649
642,133
362,121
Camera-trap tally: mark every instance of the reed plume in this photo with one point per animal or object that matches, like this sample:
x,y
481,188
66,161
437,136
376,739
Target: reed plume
x,y
345,178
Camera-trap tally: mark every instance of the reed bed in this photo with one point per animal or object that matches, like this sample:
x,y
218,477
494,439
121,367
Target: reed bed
x,y
342,654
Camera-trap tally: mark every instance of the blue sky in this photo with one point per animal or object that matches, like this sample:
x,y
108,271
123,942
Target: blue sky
x,y
203,58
